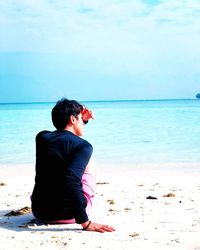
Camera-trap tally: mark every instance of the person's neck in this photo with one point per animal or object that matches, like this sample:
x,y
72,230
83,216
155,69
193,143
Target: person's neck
x,y
70,129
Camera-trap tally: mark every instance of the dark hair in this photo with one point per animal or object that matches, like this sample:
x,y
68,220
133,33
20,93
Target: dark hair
x,y
62,111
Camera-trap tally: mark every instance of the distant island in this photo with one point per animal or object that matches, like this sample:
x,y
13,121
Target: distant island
x,y
198,95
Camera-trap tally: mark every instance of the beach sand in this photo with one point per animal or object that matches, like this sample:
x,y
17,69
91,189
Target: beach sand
x,y
172,221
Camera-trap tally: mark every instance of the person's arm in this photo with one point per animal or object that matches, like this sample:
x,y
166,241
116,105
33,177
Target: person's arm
x,y
73,178
77,168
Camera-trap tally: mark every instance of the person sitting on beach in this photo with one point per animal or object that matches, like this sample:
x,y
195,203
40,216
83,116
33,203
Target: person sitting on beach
x,y
64,180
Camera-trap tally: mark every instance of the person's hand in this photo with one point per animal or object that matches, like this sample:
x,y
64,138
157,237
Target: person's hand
x,y
96,227
87,114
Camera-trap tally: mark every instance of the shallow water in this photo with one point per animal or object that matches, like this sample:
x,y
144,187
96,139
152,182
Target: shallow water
x,y
123,132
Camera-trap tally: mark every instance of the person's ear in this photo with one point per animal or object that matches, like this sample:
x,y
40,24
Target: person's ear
x,y
72,119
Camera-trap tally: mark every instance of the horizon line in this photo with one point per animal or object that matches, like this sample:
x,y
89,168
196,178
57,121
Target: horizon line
x,y
116,100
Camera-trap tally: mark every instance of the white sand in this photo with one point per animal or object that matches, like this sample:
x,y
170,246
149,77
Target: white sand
x,y
165,223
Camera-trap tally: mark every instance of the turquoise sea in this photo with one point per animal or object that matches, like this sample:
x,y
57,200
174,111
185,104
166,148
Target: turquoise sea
x,y
134,132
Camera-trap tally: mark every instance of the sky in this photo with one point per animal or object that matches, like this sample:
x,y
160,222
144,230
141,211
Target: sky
x,y
99,49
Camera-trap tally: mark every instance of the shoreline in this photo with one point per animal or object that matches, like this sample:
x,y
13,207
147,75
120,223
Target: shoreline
x,y
170,222
108,167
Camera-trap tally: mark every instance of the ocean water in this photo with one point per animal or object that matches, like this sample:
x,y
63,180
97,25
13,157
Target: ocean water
x,y
124,132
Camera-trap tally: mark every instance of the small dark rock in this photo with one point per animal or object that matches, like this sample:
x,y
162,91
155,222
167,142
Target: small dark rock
x,y
151,198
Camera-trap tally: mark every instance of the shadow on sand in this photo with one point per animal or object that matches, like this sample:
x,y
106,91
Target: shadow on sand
x,y
27,222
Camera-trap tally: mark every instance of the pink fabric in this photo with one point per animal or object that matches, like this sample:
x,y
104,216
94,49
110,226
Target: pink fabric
x,y
88,183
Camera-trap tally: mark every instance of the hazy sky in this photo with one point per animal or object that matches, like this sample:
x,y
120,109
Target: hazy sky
x,y
99,49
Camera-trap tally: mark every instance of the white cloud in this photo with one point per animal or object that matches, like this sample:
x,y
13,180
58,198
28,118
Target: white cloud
x,y
113,33
148,42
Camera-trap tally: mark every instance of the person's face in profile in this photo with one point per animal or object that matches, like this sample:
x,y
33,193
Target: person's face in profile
x,y
79,125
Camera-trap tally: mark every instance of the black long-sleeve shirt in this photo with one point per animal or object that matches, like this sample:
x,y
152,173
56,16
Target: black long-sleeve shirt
x,y
61,158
